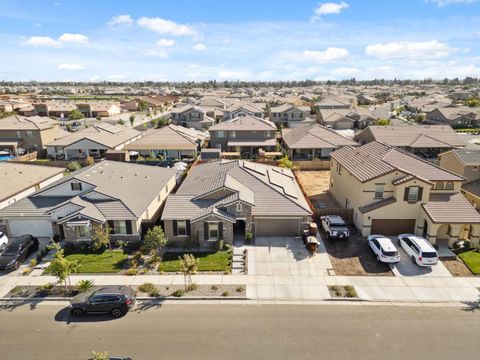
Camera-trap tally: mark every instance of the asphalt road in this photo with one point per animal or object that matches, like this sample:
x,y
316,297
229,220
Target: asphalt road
x,y
244,332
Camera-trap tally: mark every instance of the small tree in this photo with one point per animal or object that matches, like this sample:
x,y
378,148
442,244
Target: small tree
x,y
132,119
75,115
89,161
100,355
142,105
101,237
121,122
189,265
285,162
154,240
73,166
61,267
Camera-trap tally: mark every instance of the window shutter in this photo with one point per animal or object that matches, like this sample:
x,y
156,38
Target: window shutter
x,y
128,225
205,230
420,193
175,229
188,227
110,225
220,230
405,195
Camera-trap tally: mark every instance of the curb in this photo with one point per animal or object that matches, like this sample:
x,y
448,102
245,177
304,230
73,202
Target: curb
x,y
144,298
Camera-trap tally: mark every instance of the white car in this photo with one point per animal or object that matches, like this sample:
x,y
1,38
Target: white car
x,y
384,249
3,241
418,249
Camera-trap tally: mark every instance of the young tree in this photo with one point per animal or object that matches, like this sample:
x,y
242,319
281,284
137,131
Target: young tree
x,y
75,115
101,355
101,237
189,265
142,105
132,119
61,267
154,240
285,162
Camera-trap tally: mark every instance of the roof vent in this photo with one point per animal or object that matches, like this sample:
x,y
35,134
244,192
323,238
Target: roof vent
x,y
147,177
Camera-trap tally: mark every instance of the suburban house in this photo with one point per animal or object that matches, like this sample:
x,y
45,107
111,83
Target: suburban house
x,y
20,180
171,141
363,99
244,135
312,141
222,200
345,118
191,116
127,197
333,103
59,109
102,109
392,191
466,163
290,115
29,133
459,117
92,141
423,140
243,109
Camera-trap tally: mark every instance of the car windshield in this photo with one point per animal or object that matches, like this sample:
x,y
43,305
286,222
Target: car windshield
x,y
429,254
337,224
11,250
390,253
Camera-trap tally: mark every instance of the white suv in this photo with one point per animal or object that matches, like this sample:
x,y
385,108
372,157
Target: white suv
x,y
3,241
418,249
384,249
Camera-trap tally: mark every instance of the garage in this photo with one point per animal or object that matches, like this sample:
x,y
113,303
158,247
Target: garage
x,y
277,227
38,228
392,227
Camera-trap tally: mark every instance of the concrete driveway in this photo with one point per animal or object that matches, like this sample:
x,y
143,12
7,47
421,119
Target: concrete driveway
x,y
287,256
407,268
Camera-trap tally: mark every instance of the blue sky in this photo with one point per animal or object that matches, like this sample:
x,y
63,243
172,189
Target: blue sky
x,y
134,40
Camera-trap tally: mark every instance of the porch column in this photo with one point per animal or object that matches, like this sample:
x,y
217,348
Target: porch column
x,y
432,231
475,235
454,233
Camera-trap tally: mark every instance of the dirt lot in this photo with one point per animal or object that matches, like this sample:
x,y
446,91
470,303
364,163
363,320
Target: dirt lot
x,y
354,257
315,184
457,267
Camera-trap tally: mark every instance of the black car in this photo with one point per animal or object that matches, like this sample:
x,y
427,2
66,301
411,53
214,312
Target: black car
x,y
116,300
17,251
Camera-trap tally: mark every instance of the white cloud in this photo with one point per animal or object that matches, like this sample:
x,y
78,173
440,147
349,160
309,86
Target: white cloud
x,y
70,67
442,3
42,41
166,27
94,78
413,50
116,77
165,42
329,55
121,20
199,47
73,38
329,8
162,54
344,72
229,74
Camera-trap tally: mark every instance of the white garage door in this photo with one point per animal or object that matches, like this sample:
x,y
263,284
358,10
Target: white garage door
x,y
277,227
33,227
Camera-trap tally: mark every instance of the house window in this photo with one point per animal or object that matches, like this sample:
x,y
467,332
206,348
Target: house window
x,y
19,135
233,134
413,194
379,191
181,228
449,186
220,134
213,230
76,186
29,133
239,206
119,227
267,134
439,186
82,231
475,168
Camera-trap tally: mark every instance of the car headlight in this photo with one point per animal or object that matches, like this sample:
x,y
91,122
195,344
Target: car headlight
x,y
334,233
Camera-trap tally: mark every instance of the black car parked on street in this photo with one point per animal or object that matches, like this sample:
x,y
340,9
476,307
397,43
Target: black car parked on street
x,y
17,251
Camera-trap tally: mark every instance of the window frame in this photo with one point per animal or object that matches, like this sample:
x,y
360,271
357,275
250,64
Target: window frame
x,y
409,199
182,224
379,194
75,184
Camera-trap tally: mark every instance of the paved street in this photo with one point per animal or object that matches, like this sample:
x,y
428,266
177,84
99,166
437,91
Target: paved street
x,y
244,332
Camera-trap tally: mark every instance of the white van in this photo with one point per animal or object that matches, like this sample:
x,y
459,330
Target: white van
x,y
418,249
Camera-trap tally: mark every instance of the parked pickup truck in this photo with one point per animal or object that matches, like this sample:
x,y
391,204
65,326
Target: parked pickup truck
x,y
334,227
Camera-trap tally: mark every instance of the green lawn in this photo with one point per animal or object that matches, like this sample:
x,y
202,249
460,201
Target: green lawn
x,y
110,261
472,260
218,261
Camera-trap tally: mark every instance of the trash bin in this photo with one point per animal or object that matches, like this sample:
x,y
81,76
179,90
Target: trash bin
x,y
312,228
312,243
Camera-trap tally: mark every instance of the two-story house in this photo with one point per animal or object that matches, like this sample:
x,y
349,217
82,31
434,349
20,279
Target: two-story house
x,y
239,109
290,115
191,116
342,119
223,199
466,163
126,196
30,133
392,191
245,135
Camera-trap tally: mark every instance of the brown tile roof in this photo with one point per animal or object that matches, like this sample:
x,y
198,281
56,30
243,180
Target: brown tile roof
x,y
377,205
450,209
314,136
245,123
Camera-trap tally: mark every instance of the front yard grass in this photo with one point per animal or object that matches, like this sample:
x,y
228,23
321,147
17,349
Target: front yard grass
x,y
472,260
110,261
219,261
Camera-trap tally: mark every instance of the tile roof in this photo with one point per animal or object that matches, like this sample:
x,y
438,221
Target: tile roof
x,y
244,123
17,122
314,136
469,157
377,205
450,209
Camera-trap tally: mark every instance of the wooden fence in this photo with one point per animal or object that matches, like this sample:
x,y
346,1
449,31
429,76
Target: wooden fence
x,y
312,164
26,157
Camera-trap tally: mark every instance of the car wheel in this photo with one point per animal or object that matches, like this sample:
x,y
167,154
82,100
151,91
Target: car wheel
x,y
77,312
413,260
116,312
2,247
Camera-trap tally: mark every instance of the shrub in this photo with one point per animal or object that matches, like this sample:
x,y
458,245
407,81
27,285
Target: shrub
x,y
121,122
214,287
350,291
84,285
131,271
220,245
467,244
178,293
33,263
248,237
89,161
240,289
73,166
100,355
225,294
147,288
46,288
99,118
192,287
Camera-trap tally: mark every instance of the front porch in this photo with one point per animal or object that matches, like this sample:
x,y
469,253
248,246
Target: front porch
x,y
450,233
